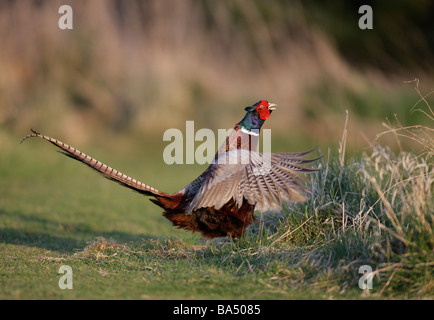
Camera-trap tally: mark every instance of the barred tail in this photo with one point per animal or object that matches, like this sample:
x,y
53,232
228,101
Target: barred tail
x,y
107,171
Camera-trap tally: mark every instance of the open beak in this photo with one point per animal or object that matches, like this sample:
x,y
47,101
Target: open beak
x,y
272,106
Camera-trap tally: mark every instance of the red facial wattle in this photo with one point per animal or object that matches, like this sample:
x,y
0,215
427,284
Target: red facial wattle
x,y
262,109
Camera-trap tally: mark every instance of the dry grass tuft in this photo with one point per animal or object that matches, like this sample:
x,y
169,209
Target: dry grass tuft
x,y
420,135
100,249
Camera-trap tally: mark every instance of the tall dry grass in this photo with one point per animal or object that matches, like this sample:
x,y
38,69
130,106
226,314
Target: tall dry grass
x,y
143,67
375,210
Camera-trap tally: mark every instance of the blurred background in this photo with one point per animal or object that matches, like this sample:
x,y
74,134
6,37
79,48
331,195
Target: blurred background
x,y
133,69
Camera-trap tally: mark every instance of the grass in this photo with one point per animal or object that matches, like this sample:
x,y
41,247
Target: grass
x,y
113,74
375,209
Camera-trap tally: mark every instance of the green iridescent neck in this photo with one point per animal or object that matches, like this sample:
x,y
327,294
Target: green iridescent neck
x,y
251,122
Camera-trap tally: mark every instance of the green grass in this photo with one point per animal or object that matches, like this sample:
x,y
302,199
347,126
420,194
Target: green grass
x,y
374,210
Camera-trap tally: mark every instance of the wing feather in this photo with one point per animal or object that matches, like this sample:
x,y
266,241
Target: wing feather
x,y
264,180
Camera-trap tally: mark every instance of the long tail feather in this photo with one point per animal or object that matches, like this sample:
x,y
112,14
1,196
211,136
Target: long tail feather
x,y
105,170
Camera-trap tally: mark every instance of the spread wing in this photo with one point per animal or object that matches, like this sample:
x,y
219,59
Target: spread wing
x,y
264,180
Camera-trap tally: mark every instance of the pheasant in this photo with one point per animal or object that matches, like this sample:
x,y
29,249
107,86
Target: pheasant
x,y
222,200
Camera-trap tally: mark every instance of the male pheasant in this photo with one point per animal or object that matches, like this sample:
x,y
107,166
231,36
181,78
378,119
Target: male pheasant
x,y
221,201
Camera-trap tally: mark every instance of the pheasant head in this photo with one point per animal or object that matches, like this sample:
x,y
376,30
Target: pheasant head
x,y
256,115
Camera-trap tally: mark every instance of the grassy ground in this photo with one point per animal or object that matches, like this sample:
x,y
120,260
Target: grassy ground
x,y
374,210
124,69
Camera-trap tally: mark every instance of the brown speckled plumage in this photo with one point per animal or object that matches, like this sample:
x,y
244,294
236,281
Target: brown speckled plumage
x,y
222,200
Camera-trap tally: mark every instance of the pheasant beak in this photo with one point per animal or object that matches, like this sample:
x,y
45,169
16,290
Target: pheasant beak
x,y
272,106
